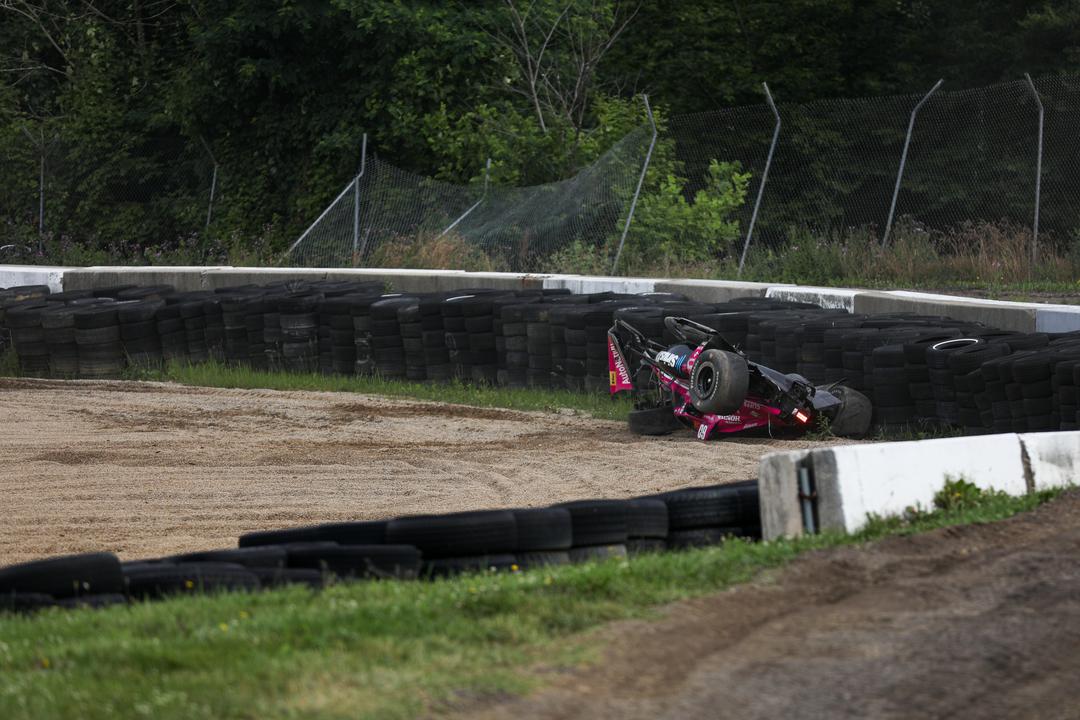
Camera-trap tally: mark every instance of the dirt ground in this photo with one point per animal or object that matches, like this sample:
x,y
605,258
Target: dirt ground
x,y
970,622
145,469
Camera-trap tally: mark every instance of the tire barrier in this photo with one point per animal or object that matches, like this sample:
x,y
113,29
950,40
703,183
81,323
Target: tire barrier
x,y
405,548
913,368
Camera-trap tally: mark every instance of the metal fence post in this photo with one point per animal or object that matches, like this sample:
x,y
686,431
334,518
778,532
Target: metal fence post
x,y
903,160
640,182
451,226
764,178
1038,175
41,186
356,204
213,183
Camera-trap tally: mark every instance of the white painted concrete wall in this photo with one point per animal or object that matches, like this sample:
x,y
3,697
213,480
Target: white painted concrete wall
x,y
16,275
1054,459
887,478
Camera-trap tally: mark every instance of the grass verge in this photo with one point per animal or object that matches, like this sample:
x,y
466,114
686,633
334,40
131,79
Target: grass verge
x,y
214,374
378,649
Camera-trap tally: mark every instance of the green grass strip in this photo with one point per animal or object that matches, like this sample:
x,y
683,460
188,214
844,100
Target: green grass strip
x,y
214,374
388,649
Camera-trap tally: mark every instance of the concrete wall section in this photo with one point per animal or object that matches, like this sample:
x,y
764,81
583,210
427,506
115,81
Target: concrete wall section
x,y
1053,459
1057,319
712,291
582,284
182,278
832,298
16,275
781,516
1006,316
854,482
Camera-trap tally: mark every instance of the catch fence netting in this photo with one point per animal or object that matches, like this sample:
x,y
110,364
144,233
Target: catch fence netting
x,y
971,159
387,216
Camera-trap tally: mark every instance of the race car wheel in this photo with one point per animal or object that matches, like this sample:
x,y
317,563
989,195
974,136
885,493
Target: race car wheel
x,y
852,418
718,382
653,421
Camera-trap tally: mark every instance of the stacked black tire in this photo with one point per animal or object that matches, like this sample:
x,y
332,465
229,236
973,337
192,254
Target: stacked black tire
x,y
97,335
24,322
516,345
706,516
433,339
138,332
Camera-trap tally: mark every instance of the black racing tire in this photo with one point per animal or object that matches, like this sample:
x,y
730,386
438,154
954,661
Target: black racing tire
x,y
67,576
345,533
597,522
543,529
24,602
453,535
646,518
156,580
591,553
714,506
853,417
265,556
653,421
719,382
358,561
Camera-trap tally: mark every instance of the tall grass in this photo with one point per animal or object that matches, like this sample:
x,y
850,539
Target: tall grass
x,y
214,374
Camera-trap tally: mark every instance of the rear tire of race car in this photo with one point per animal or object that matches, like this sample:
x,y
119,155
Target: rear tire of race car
x,y
852,419
718,382
653,421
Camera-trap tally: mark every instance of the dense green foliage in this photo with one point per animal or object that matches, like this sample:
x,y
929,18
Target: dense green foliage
x,y
135,101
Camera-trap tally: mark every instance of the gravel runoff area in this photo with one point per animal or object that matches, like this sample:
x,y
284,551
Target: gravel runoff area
x,y
145,469
978,621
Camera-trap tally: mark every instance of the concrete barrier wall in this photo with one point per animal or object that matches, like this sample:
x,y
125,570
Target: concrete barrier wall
x,y
1022,317
16,275
851,483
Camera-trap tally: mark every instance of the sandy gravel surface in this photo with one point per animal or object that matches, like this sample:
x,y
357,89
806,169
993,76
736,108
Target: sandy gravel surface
x,y
972,622
145,469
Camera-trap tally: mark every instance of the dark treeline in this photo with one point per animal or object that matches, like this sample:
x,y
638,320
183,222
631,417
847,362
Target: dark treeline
x,y
279,92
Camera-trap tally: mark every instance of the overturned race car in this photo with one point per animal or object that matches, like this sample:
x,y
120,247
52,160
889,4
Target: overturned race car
x,y
706,384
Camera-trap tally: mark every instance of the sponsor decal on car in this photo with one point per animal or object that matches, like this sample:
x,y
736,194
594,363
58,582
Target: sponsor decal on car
x,y
618,373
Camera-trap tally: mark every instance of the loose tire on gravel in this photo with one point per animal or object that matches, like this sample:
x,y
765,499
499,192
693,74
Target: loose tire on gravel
x,y
719,381
653,421
852,418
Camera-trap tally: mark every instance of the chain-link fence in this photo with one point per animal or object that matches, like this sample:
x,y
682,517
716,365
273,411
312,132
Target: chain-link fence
x,y
387,216
125,195
971,157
